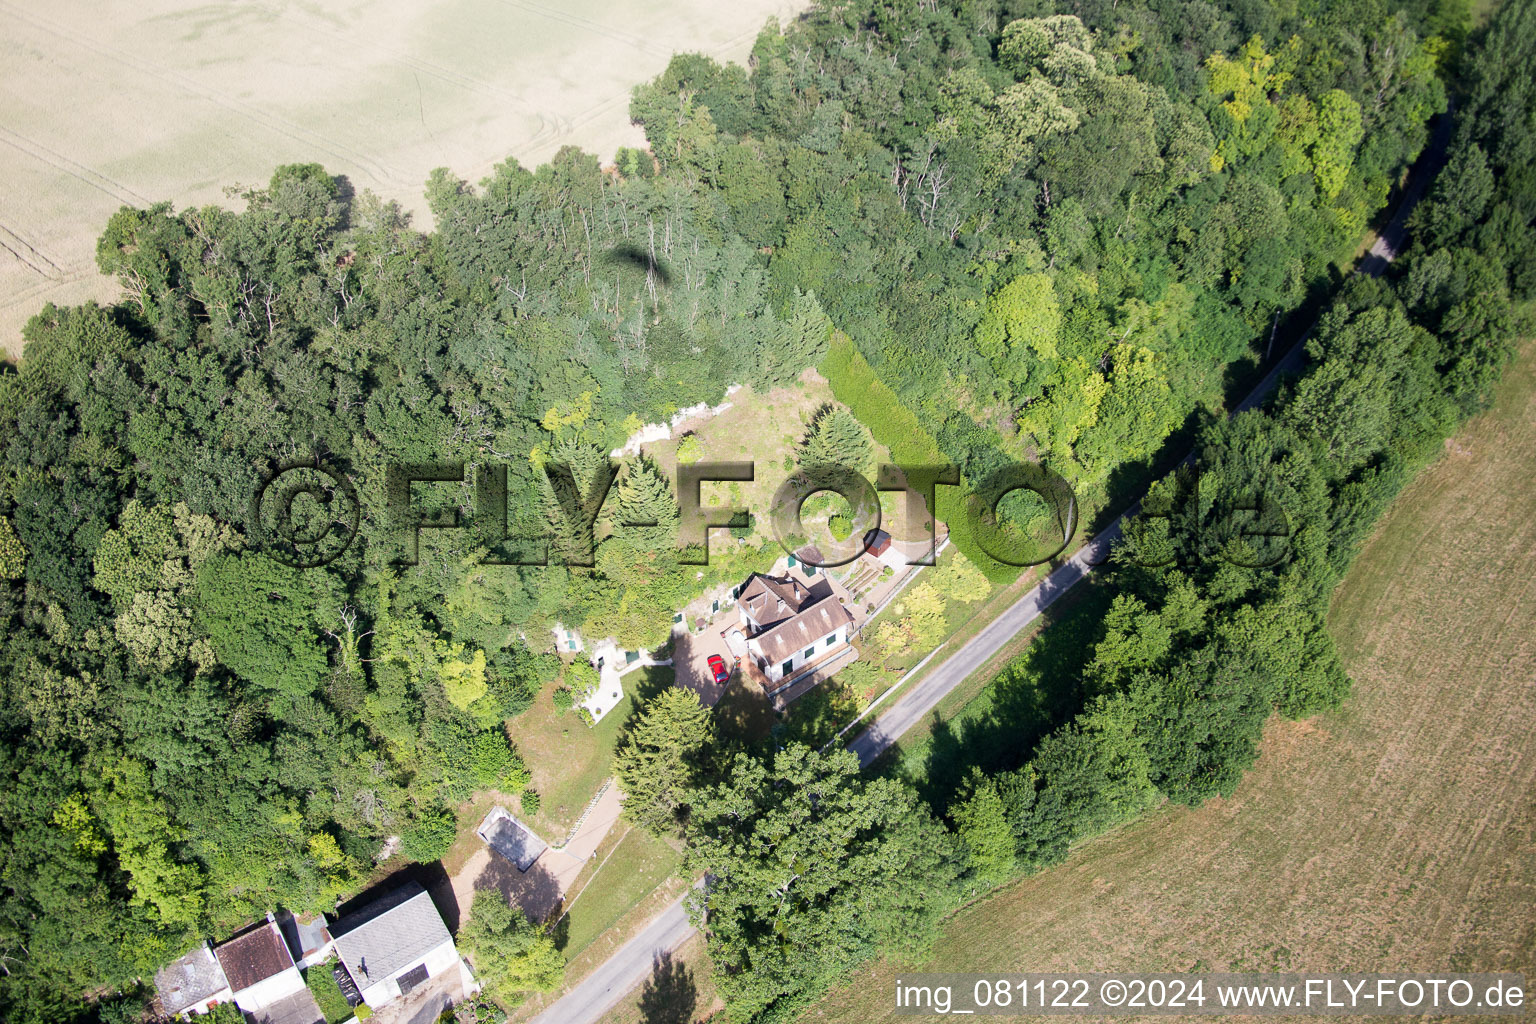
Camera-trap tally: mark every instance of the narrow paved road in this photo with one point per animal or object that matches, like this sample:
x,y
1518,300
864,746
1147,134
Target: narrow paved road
x,y
628,968
912,706
925,694
598,991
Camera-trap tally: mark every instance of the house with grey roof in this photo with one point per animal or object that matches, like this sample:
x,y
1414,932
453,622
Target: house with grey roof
x,y
789,623
193,983
394,945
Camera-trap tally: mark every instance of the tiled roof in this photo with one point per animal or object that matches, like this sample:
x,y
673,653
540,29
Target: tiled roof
x,y
189,980
254,957
296,1008
389,934
788,638
770,601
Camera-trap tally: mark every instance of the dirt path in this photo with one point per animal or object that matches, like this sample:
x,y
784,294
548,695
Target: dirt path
x,y
540,889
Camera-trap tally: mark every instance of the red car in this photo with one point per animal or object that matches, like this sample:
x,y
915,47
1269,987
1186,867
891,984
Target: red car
x,y
717,666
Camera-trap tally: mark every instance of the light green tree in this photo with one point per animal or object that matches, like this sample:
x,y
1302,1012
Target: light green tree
x,y
148,566
13,554
142,837
981,824
1339,130
512,954
689,449
1018,330
157,630
463,676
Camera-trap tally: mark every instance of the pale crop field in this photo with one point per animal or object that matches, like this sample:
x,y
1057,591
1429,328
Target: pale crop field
x,y
105,103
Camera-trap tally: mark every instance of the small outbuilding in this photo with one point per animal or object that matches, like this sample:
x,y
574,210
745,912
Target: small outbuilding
x,y
193,983
511,838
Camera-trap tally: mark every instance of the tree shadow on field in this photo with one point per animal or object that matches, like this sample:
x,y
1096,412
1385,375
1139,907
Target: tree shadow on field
x,y
536,891
744,718
669,995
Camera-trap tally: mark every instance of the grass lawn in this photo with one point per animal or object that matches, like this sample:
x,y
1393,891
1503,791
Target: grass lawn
x,y
744,713
996,716
956,614
568,759
761,429
679,990
633,864
322,985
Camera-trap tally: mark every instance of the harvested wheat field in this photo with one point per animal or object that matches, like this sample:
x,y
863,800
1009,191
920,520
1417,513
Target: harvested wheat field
x,y
1396,834
112,103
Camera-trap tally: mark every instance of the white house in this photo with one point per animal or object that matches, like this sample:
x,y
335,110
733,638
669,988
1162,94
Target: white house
x,y
788,623
393,945
266,982
195,983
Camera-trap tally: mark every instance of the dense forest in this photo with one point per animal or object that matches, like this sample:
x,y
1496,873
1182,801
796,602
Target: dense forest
x,y
1203,633
1053,235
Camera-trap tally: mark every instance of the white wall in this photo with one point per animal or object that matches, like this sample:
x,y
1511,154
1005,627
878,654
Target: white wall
x,y
268,991
775,672
437,960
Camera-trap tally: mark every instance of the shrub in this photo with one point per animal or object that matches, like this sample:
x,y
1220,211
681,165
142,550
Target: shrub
x,y
495,763
564,700
431,835
530,802
582,678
